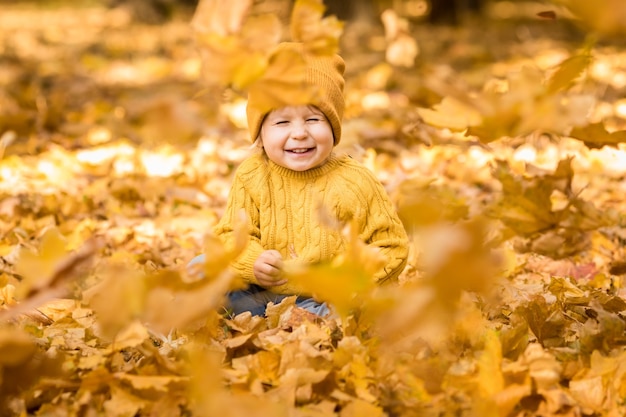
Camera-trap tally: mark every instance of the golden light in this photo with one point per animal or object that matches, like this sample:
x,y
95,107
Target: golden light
x,y
207,146
146,229
479,156
550,156
98,135
162,164
619,80
57,173
102,154
551,58
611,159
10,177
378,77
378,100
602,111
123,166
601,71
620,108
236,113
191,68
525,153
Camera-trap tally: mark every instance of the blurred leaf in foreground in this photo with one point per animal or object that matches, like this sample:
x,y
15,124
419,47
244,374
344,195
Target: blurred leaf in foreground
x,y
402,48
422,202
208,397
568,71
163,301
216,17
607,17
233,48
22,366
516,105
38,268
346,280
319,35
455,259
282,83
47,271
451,113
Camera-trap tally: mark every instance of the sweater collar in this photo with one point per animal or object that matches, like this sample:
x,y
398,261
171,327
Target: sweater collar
x,y
332,163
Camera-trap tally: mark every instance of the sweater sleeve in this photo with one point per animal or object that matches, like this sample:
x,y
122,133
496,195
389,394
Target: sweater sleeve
x,y
241,200
382,229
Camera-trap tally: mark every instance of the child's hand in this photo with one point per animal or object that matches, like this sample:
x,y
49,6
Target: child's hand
x,y
268,269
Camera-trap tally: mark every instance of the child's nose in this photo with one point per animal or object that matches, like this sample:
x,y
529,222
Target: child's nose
x,y
299,131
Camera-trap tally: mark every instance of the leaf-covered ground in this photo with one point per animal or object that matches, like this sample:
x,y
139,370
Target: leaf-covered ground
x,y
115,161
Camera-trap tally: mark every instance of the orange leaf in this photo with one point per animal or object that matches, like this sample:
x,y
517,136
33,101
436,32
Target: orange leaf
x,y
595,135
568,71
548,14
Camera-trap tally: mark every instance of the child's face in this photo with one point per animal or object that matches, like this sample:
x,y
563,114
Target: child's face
x,y
297,137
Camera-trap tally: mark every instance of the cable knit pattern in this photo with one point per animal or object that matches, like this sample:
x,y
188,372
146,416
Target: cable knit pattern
x,y
283,209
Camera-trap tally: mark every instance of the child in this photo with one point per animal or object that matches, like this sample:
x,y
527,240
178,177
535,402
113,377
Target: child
x,y
284,189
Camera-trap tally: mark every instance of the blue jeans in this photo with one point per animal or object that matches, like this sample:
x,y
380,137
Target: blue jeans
x,y
255,298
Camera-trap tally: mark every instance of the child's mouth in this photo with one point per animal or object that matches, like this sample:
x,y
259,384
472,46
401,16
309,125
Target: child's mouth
x,y
300,151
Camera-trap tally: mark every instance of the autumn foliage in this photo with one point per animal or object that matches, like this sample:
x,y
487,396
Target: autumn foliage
x,y
504,157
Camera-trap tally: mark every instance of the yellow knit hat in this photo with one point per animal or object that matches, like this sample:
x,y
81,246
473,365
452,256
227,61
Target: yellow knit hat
x,y
324,74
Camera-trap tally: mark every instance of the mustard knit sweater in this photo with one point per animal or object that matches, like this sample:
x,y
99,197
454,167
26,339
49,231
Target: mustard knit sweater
x,y
283,211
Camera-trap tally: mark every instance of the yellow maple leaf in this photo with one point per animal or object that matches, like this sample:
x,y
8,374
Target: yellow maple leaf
x,y
47,271
517,105
458,258
337,284
589,392
490,378
359,408
117,300
217,17
605,17
131,336
544,208
319,35
227,62
595,135
123,403
165,309
451,113
16,347
567,72
283,83
526,205
402,47
344,281
234,48
159,383
421,203
37,268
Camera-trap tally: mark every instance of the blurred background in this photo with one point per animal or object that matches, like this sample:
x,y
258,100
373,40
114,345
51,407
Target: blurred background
x,y
71,70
